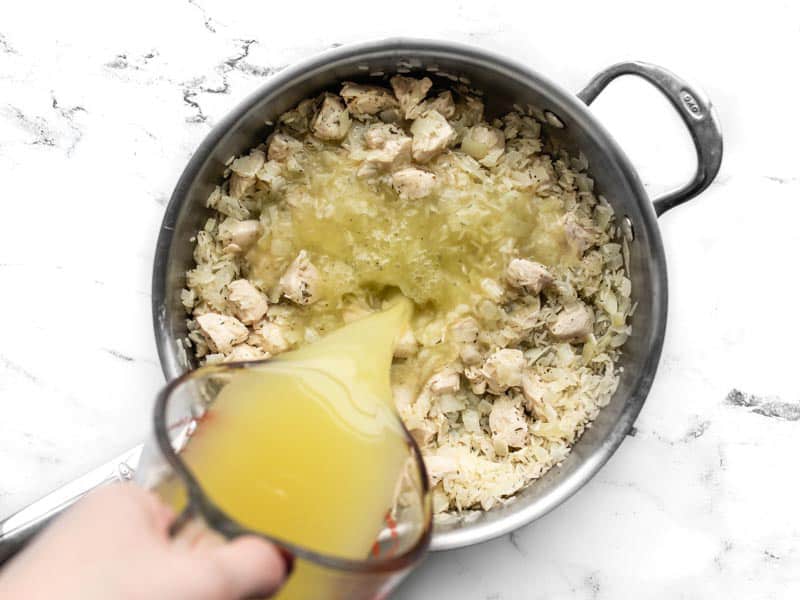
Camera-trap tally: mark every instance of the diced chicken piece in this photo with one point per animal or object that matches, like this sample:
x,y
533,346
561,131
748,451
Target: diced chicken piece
x,y
465,331
375,136
446,381
300,281
248,166
573,323
393,153
390,148
221,332
531,389
238,186
528,274
244,353
410,92
439,465
332,121
378,134
470,355
503,369
432,134
443,103
367,99
485,144
406,346
248,304
579,237
269,337
533,392
282,146
507,423
238,236
413,183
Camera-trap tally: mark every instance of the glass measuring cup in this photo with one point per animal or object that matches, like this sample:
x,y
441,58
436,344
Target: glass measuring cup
x,y
403,539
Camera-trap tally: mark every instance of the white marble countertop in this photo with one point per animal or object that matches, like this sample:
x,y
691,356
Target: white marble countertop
x,y
102,104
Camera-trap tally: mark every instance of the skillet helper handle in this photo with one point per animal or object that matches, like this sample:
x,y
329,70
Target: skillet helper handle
x,y
694,108
21,527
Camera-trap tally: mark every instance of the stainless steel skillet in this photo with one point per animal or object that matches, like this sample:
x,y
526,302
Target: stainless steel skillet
x,y
506,83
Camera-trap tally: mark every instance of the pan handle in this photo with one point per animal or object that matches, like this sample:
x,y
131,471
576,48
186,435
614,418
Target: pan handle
x,y
18,529
694,108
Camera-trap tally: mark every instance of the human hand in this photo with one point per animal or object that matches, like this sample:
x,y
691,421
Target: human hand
x,y
114,543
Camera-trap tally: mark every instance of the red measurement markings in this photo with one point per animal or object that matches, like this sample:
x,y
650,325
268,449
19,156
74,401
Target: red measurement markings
x,y
207,416
376,547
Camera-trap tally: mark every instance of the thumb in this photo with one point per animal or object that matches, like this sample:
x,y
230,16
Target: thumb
x,y
253,567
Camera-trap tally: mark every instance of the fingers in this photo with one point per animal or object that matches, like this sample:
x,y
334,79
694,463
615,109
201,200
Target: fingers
x,y
126,501
161,514
252,567
246,567
158,514
195,535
